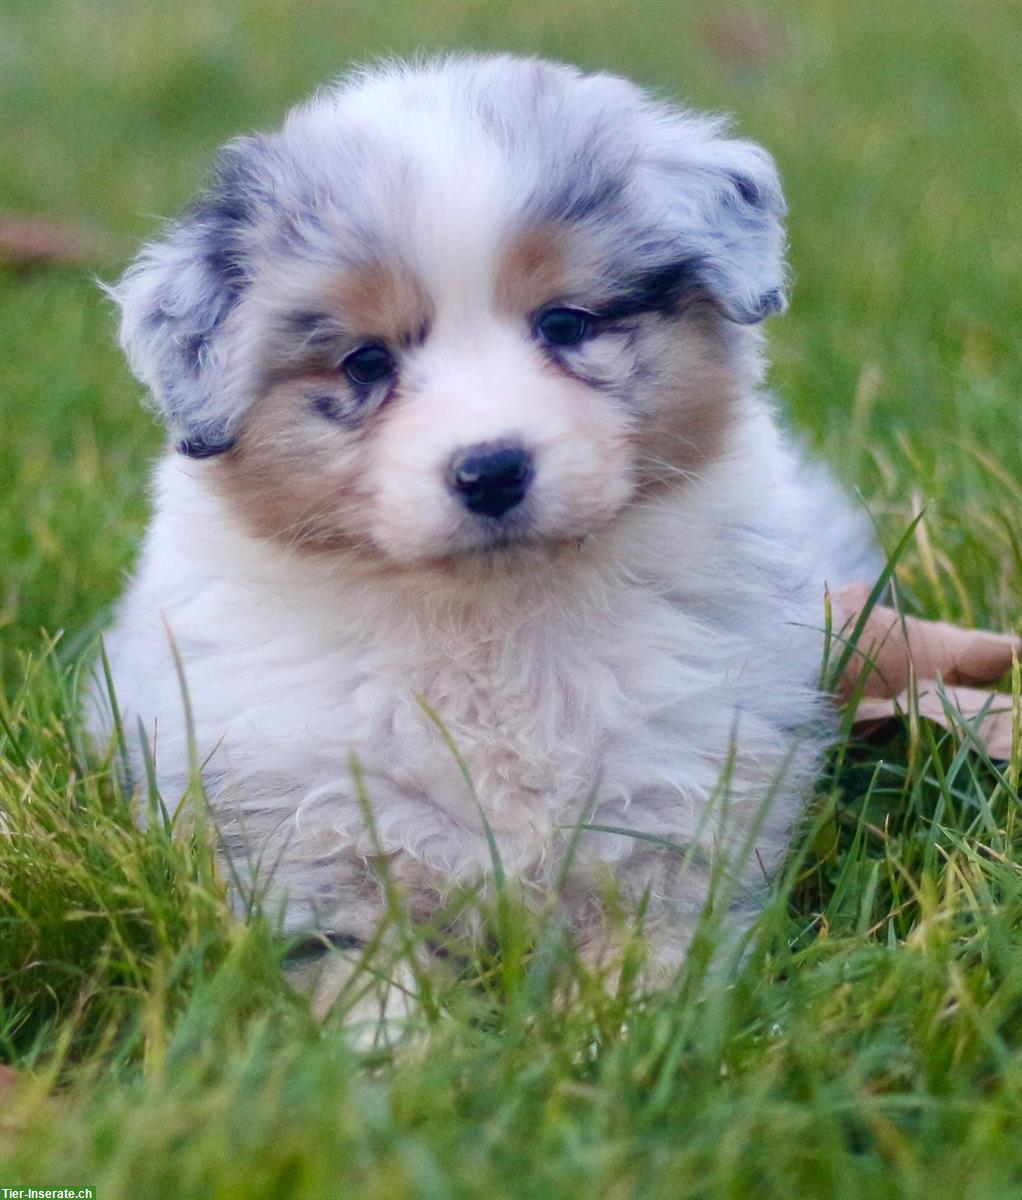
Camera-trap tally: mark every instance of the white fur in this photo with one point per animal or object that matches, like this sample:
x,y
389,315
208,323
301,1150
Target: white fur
x,y
617,678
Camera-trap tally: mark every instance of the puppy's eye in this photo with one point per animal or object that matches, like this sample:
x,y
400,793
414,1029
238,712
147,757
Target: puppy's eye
x,y
369,364
563,326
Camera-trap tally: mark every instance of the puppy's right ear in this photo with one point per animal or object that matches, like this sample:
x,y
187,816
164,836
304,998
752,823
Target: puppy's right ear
x,y
176,302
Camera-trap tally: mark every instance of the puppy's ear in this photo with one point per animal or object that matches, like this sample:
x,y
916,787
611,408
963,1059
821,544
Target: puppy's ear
x,y
177,298
737,226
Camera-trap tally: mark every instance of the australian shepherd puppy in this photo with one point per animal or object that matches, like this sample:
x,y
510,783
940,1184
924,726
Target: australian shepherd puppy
x,y
462,373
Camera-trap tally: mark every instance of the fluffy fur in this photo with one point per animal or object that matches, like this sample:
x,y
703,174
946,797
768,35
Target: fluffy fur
x,y
635,644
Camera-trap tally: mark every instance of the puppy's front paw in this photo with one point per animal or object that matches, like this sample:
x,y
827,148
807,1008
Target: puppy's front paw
x,y
377,1005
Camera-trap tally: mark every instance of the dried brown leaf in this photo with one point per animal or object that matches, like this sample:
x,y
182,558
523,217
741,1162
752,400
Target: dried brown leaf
x,y
893,647
742,36
966,704
903,663
9,1080
27,241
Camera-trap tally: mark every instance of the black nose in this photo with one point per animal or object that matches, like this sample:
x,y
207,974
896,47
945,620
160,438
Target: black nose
x,y
491,478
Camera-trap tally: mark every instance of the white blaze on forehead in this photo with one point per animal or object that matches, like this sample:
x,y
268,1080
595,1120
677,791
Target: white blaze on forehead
x,y
460,222
453,194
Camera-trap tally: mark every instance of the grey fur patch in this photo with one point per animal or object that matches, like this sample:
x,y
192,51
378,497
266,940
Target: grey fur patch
x,y
179,294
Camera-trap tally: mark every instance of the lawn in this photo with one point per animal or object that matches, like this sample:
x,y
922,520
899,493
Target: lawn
x,y
870,1044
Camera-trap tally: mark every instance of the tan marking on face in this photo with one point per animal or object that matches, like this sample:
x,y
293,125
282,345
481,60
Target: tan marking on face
x,y
696,398
533,270
293,476
387,301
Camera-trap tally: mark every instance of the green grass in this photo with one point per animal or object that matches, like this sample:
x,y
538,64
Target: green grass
x,y
871,1043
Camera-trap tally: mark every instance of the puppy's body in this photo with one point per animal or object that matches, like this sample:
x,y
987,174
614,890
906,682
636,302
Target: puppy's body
x,y
406,478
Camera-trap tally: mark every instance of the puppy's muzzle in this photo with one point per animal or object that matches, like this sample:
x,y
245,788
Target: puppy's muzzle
x,y
491,478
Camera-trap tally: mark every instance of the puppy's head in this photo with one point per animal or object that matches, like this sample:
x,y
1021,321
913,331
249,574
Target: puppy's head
x,y
457,307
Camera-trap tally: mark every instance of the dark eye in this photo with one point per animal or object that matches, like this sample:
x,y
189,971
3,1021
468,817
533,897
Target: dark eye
x,y
368,364
563,326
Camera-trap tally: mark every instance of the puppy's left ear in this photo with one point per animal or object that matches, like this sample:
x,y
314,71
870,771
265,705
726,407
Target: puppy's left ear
x,y
737,225
178,298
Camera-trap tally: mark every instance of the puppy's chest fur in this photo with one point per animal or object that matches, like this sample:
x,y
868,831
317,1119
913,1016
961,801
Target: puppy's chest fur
x,y
540,705
618,707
